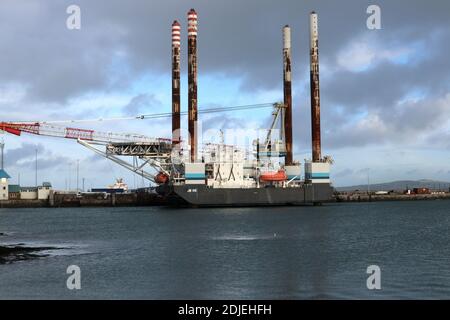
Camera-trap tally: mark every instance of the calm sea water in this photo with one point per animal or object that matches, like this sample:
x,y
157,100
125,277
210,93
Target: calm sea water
x,y
248,253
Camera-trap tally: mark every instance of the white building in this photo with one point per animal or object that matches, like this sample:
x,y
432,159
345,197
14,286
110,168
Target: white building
x,y
44,191
33,193
4,191
28,193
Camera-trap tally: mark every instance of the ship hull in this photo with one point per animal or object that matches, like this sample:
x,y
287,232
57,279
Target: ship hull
x,y
203,196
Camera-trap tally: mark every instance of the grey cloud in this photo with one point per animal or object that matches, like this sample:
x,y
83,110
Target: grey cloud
x,y
142,102
439,140
57,63
94,158
25,151
343,173
419,123
23,157
388,82
47,163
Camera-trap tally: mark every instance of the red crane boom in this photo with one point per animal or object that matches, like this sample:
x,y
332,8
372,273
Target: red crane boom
x,y
45,129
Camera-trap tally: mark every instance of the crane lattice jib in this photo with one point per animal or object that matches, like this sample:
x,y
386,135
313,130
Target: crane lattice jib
x,y
45,129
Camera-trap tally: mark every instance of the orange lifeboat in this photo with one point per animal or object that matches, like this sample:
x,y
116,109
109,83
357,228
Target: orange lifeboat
x,y
279,175
161,178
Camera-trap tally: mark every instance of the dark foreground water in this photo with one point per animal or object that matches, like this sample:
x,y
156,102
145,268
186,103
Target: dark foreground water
x,y
248,253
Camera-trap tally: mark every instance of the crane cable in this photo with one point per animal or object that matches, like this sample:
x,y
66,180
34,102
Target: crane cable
x,y
158,115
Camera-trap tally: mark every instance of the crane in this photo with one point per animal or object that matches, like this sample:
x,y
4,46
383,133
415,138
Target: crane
x,y
146,148
155,152
51,130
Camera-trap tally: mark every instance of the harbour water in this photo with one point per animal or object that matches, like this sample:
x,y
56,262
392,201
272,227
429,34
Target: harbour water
x,y
231,253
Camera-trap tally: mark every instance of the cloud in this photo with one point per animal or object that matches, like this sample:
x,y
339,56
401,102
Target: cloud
x,y
24,157
142,102
24,152
344,173
117,43
53,162
367,53
416,123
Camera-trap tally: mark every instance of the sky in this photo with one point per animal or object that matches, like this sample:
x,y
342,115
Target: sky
x,y
385,94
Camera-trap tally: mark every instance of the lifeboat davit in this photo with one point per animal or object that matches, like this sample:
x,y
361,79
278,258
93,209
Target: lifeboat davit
x,y
161,178
279,175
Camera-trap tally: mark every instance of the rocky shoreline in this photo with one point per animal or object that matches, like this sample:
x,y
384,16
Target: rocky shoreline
x,y
19,252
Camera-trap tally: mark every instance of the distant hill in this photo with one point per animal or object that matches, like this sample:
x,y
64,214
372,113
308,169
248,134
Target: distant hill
x,y
400,185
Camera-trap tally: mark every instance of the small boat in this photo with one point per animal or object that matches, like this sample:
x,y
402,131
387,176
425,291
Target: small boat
x,y
279,175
